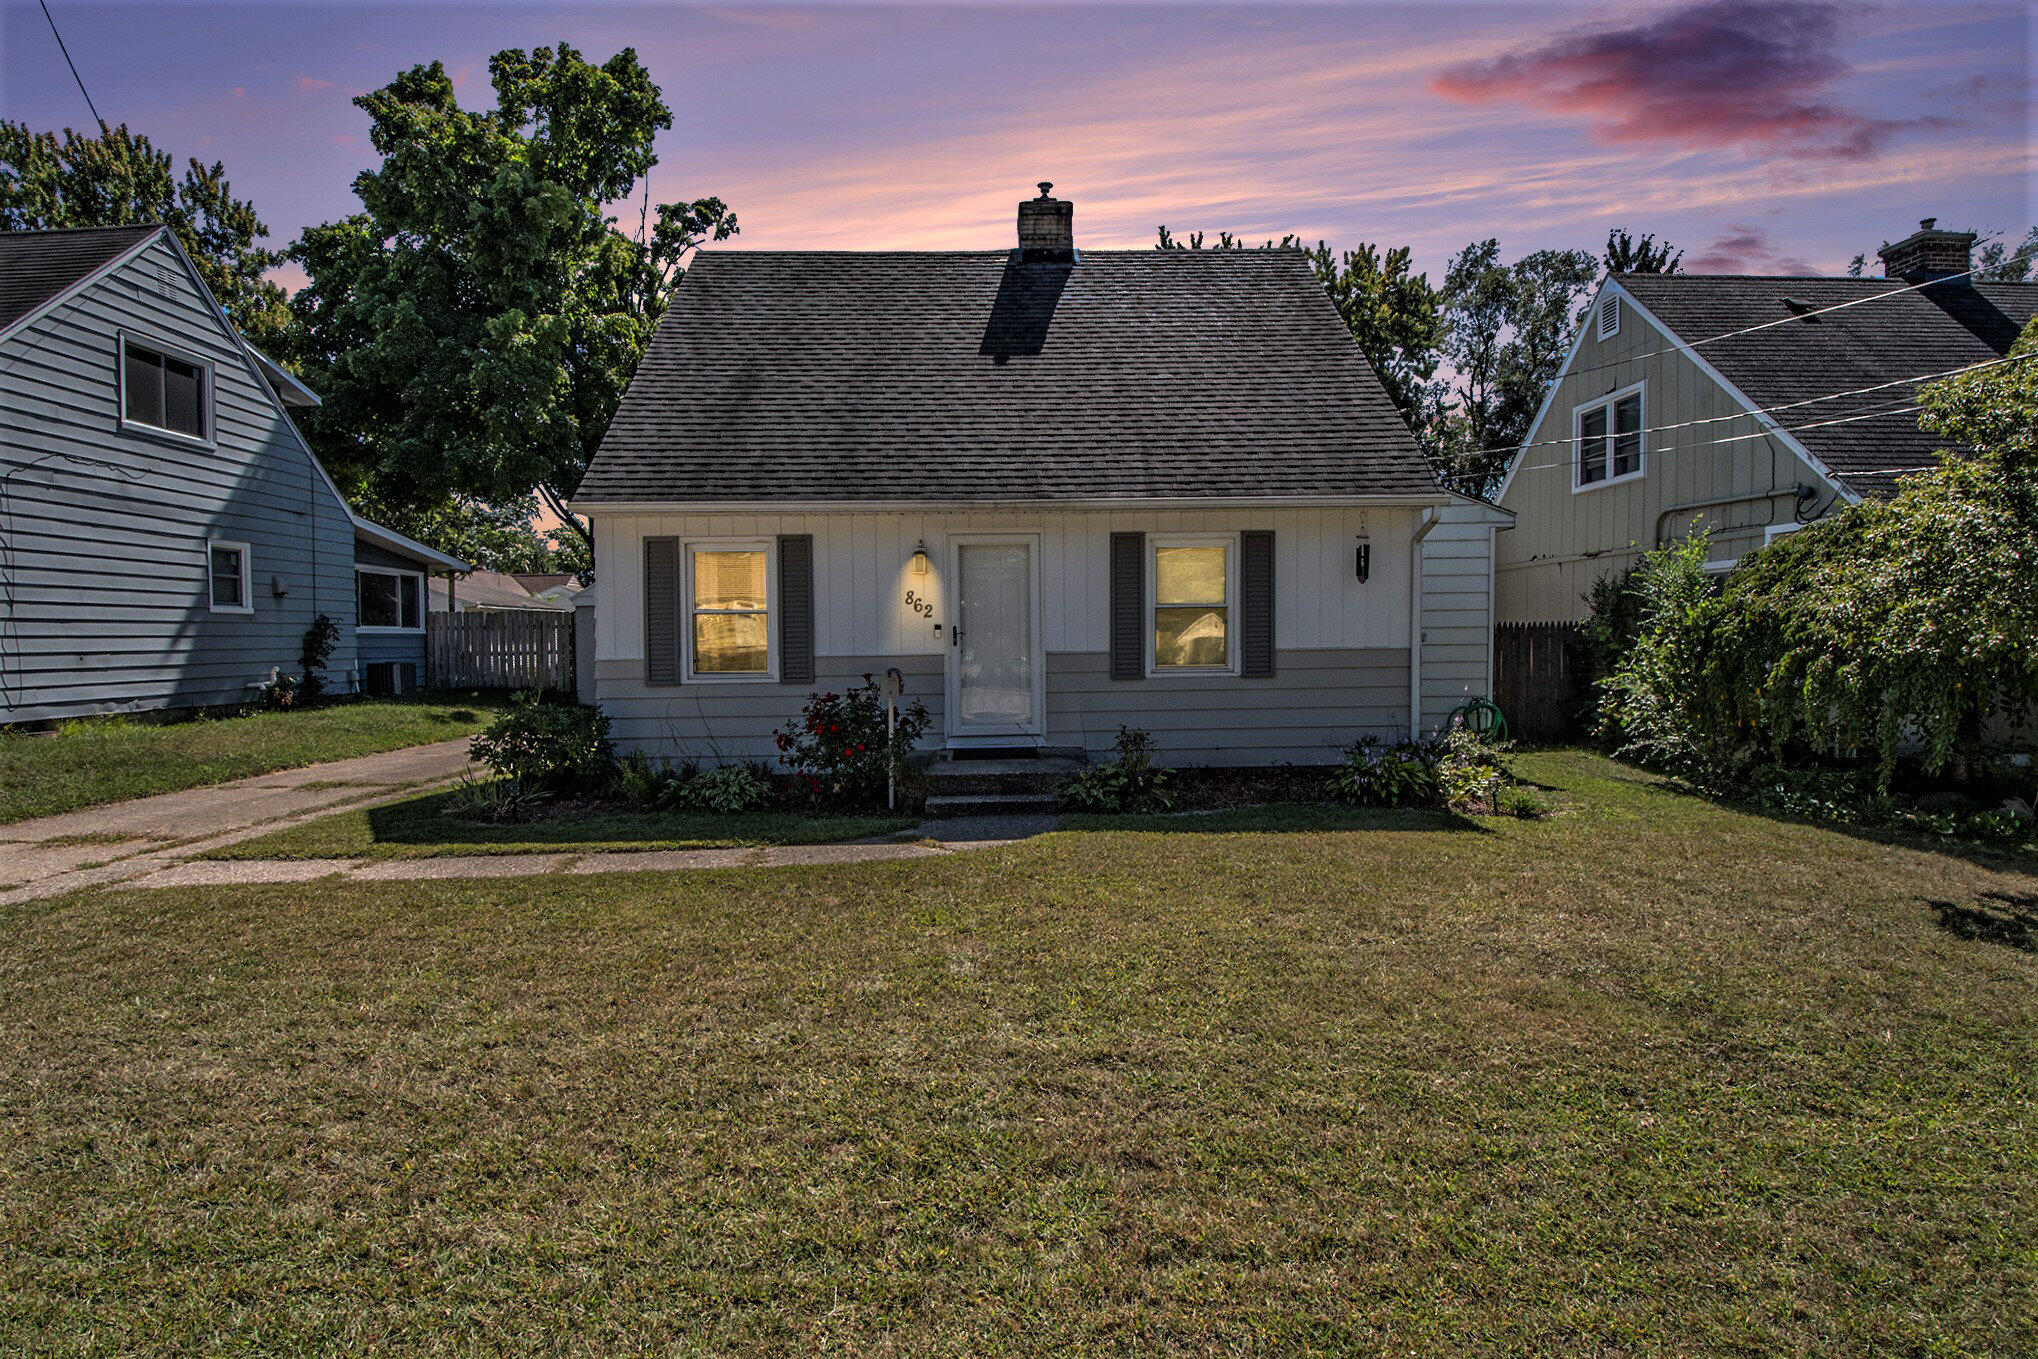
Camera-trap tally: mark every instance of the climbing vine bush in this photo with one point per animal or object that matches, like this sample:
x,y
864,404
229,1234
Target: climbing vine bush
x,y
1915,615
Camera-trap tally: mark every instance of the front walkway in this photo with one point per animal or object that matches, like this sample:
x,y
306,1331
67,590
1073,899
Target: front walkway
x,y
122,840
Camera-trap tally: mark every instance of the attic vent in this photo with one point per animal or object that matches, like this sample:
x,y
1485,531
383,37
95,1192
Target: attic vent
x,y
1798,306
1609,317
163,280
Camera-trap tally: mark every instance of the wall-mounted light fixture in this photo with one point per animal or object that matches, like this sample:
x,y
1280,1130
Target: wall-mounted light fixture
x,y
1363,562
920,560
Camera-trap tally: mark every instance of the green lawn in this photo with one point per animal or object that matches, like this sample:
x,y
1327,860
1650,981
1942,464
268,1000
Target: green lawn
x,y
98,760
1652,1076
419,828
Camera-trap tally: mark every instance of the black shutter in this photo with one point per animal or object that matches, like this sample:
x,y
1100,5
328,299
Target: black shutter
x,y
1256,603
796,608
661,610
1128,606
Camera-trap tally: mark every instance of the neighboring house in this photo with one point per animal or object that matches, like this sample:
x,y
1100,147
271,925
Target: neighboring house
x,y
1655,427
166,536
554,588
1060,491
491,592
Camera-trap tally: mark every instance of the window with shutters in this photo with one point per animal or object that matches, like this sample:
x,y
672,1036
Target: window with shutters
x,y
1192,588
1608,436
163,393
727,591
227,577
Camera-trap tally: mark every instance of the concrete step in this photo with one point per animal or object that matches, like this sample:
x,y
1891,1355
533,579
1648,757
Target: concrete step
x,y
941,805
983,777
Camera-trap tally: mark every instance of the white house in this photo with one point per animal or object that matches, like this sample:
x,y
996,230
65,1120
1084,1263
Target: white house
x,y
1059,490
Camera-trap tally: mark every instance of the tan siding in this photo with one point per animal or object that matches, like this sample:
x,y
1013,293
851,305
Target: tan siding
x,y
1564,540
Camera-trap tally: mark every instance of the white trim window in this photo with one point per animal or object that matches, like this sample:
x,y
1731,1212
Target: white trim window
x,y
1609,316
729,588
1192,604
164,393
388,600
228,577
1775,531
1608,436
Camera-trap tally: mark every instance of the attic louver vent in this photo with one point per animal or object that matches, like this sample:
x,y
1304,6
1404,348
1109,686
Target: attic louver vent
x,y
1609,317
163,280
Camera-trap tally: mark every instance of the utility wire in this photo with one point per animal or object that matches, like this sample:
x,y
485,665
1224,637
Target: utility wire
x,y
72,64
1766,410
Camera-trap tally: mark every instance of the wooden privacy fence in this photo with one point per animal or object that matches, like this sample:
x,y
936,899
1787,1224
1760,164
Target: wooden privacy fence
x,y
506,649
1533,682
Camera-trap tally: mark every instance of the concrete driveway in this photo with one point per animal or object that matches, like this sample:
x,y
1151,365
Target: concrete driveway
x,y
54,854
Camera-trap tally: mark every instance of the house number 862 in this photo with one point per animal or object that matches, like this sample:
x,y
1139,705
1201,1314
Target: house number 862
x,y
923,607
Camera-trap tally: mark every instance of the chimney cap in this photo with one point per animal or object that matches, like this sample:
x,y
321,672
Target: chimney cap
x,y
1045,186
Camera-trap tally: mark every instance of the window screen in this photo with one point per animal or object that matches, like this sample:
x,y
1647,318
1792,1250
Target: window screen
x,y
163,392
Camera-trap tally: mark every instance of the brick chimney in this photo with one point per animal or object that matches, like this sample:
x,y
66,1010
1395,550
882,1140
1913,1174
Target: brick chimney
x,y
1047,227
1928,253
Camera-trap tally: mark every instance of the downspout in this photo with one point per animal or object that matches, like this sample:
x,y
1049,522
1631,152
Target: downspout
x,y
1431,517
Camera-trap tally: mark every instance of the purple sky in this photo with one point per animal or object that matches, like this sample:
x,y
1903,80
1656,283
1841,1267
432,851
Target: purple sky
x,y
1772,137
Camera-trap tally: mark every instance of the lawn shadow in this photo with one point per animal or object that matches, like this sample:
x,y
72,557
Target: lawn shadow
x,y
2009,918
1276,818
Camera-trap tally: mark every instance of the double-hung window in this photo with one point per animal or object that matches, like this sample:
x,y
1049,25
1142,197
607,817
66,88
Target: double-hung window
x,y
1195,581
388,601
163,392
1609,439
226,569
728,599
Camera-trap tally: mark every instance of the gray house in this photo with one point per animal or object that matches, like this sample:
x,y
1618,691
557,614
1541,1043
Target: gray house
x,y
1059,490
1743,405
166,536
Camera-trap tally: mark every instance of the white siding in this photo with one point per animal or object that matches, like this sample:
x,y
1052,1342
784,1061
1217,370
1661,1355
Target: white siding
x,y
1457,610
105,605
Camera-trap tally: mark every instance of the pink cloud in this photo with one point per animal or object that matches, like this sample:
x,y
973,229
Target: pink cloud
x,y
312,84
1718,73
1745,250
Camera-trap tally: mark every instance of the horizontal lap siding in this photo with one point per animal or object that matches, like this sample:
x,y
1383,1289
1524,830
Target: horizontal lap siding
x,y
1457,613
105,601
728,723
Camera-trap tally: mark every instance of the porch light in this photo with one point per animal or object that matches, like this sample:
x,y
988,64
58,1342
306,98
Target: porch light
x,y
1364,562
920,560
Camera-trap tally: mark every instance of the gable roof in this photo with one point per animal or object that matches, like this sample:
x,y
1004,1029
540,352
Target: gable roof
x,y
1899,334
848,377
37,267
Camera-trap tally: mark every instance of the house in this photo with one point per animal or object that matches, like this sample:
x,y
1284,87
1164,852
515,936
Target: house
x,y
1697,401
166,536
490,592
553,587
1059,490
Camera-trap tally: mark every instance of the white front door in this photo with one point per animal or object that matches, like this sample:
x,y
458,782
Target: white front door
x,y
995,662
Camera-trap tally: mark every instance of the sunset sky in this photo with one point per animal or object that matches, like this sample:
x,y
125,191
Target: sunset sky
x,y
1780,137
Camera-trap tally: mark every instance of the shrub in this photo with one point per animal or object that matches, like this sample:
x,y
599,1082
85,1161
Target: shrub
x,y
488,800
548,747
640,782
1644,705
283,692
838,751
1132,782
314,653
1471,773
1516,800
1372,775
732,788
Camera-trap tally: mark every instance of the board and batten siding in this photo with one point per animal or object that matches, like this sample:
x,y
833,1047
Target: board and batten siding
x,y
106,604
1565,540
1457,608
1341,646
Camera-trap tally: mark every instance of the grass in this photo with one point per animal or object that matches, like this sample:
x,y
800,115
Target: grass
x,y
1651,1076
419,828
98,760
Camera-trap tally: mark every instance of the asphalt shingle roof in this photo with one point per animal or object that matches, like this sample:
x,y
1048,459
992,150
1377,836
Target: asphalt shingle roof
x,y
884,376
37,265
1925,330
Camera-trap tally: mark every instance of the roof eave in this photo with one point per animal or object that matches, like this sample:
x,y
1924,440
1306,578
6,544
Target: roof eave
x,y
390,540
782,505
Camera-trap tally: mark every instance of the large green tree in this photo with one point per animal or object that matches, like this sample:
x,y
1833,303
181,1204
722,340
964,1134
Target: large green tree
x,y
1506,330
1626,255
118,178
1390,310
473,328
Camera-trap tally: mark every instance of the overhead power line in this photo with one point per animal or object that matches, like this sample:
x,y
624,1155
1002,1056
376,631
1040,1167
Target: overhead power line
x,y
72,64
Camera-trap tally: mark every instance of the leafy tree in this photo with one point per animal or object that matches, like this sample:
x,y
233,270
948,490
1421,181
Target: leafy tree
x,y
492,537
1625,255
1994,263
1506,330
1390,310
473,328
118,178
